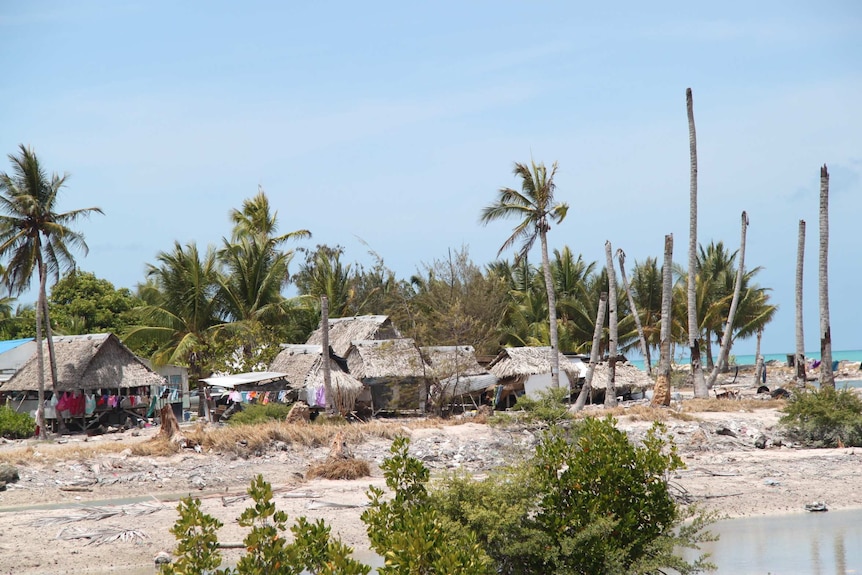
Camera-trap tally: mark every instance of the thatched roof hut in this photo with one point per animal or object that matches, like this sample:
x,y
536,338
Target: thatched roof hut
x,y
85,362
515,364
625,375
385,360
345,330
303,365
456,370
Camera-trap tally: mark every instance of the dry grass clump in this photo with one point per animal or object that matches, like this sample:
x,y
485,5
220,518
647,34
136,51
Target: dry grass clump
x,y
158,446
637,413
712,404
47,452
340,469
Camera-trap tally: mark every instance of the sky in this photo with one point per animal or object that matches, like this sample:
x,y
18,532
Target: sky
x,y
388,126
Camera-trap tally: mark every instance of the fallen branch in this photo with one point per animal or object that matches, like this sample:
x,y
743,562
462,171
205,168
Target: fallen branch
x,y
102,535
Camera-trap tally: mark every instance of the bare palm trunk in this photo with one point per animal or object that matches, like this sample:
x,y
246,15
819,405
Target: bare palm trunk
x,y
40,355
324,355
621,256
586,390
727,338
661,392
708,350
700,388
552,310
827,378
758,359
52,361
611,393
800,339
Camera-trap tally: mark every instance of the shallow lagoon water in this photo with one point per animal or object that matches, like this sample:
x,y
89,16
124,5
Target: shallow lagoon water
x,y
804,543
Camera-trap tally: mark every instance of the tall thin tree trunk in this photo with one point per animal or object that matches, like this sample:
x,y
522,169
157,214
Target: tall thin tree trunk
x,y
594,353
552,311
707,344
621,256
827,378
324,355
52,361
727,338
758,359
611,393
661,392
40,355
700,388
800,338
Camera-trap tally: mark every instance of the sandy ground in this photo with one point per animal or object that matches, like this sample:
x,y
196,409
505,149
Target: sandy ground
x,y
725,472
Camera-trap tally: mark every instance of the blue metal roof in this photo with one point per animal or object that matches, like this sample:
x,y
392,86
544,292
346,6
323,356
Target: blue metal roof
x,y
12,344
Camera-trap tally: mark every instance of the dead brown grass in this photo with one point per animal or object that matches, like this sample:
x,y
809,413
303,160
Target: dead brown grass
x,y
745,404
638,413
340,469
49,452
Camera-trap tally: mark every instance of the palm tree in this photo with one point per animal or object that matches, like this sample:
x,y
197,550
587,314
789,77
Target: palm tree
x,y
621,257
182,314
728,330
36,239
611,393
700,389
534,205
800,339
661,392
827,378
646,286
257,219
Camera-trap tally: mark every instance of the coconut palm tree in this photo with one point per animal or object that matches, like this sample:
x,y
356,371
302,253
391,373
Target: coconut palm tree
x,y
36,239
661,392
700,388
536,208
621,257
827,378
611,393
182,315
728,330
800,338
646,286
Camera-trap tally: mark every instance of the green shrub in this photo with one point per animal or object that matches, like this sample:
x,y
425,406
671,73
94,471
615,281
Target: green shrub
x,y
14,425
552,406
824,418
260,413
588,502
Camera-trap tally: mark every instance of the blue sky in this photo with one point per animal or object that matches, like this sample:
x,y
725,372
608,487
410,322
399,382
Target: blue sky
x,y
401,120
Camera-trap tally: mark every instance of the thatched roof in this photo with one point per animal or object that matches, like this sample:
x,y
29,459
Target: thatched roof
x,y
84,362
345,330
446,361
518,362
390,358
624,374
304,368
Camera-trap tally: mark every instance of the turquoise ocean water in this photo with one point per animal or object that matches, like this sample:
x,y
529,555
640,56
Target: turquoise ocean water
x,y
849,355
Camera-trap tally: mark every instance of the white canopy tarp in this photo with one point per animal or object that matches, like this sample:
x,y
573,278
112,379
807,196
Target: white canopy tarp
x,y
231,381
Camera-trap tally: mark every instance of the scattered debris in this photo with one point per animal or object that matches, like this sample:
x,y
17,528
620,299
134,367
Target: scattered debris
x,y
99,513
299,413
163,558
8,473
101,535
725,431
771,482
816,506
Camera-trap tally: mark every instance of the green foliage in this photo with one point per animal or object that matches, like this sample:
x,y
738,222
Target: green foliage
x,y
260,413
267,552
589,502
14,425
552,406
824,418
410,534
82,303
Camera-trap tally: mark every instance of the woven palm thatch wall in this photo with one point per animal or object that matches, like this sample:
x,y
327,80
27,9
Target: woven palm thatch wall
x,y
390,358
449,360
98,361
345,330
625,374
520,362
303,365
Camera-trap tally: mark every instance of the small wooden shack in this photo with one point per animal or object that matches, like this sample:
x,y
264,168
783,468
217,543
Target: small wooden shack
x,y
303,369
455,371
527,370
394,372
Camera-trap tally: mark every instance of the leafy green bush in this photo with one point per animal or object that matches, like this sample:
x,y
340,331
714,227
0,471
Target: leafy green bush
x,y
260,413
552,406
588,502
14,425
824,418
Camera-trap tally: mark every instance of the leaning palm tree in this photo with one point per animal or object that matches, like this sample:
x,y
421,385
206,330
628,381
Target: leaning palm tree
x,y
700,388
36,239
534,205
827,378
621,257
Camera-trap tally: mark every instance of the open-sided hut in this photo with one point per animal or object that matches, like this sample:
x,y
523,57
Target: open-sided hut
x,y
521,370
343,331
455,371
96,366
393,370
629,381
303,369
